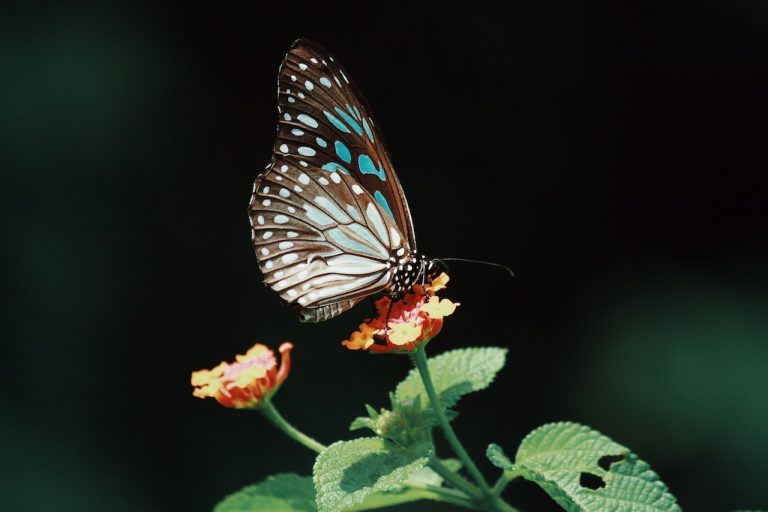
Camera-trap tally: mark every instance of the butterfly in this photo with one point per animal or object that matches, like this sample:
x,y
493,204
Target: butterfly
x,y
329,220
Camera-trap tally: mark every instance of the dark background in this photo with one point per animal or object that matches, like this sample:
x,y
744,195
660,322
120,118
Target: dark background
x,y
614,156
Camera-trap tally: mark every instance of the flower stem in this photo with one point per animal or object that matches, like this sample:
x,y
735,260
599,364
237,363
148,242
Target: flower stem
x,y
445,495
453,478
420,360
271,413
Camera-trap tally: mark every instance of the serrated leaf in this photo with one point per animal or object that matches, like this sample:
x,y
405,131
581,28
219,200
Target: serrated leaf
x,y
286,492
585,471
347,472
454,374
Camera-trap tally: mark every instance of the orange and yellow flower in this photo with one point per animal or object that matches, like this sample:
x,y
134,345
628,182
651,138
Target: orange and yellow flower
x,y
405,324
247,382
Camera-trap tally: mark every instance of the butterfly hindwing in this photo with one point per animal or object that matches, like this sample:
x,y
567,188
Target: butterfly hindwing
x,y
323,242
326,123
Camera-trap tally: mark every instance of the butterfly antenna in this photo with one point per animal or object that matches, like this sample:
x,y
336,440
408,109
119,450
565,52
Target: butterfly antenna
x,y
480,262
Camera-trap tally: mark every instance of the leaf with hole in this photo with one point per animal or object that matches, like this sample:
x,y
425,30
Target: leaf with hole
x,y
585,471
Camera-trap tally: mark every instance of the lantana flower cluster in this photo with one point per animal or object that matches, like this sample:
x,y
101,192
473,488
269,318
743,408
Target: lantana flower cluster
x,y
403,325
246,383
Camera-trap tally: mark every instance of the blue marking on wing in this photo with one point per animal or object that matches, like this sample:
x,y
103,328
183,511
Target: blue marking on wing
x,y
321,142
366,166
368,130
339,237
338,124
343,151
349,120
333,166
383,202
357,113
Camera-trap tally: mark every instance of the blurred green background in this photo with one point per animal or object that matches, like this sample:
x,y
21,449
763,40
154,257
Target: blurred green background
x,y
613,155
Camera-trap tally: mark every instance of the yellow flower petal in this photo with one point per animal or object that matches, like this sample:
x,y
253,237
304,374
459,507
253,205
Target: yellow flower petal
x,y
402,333
437,308
255,351
437,284
361,339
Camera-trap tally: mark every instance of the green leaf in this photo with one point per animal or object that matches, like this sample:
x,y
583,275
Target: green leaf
x,y
454,374
285,492
585,471
348,471
389,499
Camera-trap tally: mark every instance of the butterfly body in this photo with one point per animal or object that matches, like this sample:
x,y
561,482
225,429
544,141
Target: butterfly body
x,y
330,222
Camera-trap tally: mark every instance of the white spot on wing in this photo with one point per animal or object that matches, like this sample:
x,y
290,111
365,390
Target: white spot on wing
x,y
281,219
309,121
307,151
289,258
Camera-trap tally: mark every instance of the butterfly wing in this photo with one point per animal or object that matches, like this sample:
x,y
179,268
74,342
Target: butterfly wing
x,y
325,120
323,242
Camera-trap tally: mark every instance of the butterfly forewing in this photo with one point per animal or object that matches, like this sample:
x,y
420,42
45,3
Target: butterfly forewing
x,y
323,242
327,125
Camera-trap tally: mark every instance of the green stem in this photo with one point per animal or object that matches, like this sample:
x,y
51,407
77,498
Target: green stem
x,y
503,481
420,360
271,413
453,478
445,495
